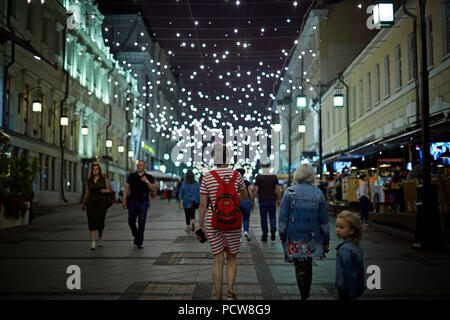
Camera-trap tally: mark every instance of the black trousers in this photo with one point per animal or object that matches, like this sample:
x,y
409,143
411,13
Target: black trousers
x,y
190,215
303,273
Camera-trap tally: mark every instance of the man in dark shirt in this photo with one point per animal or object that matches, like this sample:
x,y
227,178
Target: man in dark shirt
x,y
139,185
268,190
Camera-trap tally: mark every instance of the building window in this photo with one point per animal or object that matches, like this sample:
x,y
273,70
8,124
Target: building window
x,y
14,9
354,102
398,67
53,174
45,30
328,124
361,98
46,173
411,62
41,175
377,83
446,26
30,17
430,52
74,177
387,77
369,91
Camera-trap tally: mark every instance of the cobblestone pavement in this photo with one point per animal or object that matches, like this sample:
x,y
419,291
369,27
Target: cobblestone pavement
x,y
174,265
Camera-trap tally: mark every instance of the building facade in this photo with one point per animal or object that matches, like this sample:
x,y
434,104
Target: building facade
x,y
70,70
382,99
332,36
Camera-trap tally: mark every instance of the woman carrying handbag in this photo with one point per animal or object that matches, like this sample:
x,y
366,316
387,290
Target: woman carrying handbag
x,y
96,203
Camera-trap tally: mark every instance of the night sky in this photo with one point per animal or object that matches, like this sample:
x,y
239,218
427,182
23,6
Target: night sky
x,y
227,54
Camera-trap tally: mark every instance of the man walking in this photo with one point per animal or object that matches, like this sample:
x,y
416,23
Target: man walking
x,y
268,190
139,185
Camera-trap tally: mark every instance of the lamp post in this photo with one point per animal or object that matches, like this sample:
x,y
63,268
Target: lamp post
x,y
339,103
428,230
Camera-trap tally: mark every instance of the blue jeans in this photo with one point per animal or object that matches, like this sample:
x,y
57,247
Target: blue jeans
x,y
246,207
268,207
364,209
137,210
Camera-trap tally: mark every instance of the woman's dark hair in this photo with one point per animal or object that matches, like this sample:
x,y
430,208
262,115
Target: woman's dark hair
x,y
91,177
362,177
241,171
189,177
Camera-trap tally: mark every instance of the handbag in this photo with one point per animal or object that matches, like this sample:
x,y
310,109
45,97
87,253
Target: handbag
x,y
109,200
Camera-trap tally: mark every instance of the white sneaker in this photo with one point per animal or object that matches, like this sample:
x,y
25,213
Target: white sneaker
x,y
100,243
247,237
93,246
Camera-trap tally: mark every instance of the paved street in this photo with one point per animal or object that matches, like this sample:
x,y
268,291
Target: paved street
x,y
174,265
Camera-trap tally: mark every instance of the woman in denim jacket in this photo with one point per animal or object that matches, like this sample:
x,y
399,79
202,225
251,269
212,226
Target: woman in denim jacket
x,y
349,257
303,226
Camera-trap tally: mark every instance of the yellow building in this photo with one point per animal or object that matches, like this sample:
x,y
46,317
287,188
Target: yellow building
x,y
382,87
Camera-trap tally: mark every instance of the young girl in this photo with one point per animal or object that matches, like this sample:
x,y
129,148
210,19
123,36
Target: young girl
x,y
349,257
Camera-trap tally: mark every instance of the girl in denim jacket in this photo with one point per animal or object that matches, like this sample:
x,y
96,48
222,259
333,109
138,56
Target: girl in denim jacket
x,y
349,257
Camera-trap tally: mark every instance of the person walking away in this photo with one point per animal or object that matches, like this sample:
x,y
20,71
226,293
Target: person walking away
x,y
349,258
246,205
113,185
222,241
362,194
304,226
189,198
139,185
269,194
95,203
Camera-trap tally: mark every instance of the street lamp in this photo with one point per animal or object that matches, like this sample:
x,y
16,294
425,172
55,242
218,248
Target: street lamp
x,y
121,149
64,120
109,143
338,100
383,14
301,128
37,99
130,154
84,130
301,101
283,147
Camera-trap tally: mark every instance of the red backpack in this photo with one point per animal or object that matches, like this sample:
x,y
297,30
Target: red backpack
x,y
227,215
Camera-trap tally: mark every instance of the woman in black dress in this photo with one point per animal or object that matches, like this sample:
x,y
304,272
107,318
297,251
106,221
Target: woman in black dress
x,y
95,203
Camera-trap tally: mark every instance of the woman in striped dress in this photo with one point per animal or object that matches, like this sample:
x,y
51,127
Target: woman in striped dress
x,y
220,241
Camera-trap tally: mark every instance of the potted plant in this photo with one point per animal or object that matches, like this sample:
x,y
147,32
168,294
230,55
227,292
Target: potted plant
x,y
16,187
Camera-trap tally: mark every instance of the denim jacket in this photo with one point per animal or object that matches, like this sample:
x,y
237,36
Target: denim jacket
x,y
189,193
303,222
350,268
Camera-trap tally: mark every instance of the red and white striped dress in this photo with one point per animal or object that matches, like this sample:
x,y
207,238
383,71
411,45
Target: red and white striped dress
x,y
218,239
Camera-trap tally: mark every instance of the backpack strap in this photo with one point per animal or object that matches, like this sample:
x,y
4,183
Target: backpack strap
x,y
235,176
216,175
